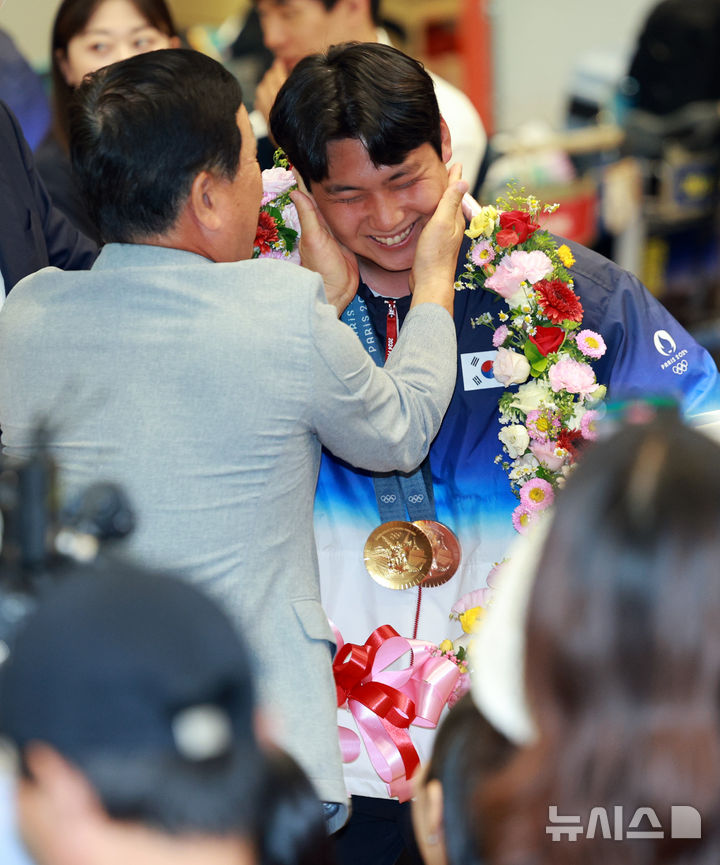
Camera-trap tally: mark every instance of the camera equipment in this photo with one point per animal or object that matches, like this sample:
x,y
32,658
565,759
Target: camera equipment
x,y
39,539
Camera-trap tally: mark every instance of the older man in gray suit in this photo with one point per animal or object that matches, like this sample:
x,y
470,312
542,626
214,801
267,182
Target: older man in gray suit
x,y
206,383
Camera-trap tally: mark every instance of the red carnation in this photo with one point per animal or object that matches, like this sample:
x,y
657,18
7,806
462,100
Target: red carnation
x,y
267,232
515,227
558,301
547,339
567,439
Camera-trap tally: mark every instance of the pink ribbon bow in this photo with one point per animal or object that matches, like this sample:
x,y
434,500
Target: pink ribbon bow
x,y
384,703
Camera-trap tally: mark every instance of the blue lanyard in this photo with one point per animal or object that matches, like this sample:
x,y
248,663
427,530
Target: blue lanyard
x,y
399,496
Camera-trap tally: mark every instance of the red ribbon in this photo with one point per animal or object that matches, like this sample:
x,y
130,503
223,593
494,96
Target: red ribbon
x,y
384,703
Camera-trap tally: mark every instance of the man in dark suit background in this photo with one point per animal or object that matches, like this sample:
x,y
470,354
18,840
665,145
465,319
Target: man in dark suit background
x,y
33,234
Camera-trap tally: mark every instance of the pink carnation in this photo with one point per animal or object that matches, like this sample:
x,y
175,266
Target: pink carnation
x,y
500,335
518,267
476,598
591,344
275,181
572,376
291,218
550,454
536,495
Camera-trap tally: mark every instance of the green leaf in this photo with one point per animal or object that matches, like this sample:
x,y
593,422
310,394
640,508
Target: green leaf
x,y
533,353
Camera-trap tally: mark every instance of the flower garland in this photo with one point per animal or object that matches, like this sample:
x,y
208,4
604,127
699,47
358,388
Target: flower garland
x,y
541,346
278,224
469,611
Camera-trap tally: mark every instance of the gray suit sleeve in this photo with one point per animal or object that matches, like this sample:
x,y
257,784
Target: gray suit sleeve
x,y
382,419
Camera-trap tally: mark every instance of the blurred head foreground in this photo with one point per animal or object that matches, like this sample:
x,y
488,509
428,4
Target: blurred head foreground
x,y
623,656
128,696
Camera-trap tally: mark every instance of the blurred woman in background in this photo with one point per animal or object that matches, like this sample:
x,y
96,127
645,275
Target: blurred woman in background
x,y
89,34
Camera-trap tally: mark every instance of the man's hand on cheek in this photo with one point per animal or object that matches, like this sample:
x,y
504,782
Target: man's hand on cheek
x,y
321,252
433,271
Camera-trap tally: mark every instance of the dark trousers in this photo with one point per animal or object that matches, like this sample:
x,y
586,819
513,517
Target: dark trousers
x,y
379,832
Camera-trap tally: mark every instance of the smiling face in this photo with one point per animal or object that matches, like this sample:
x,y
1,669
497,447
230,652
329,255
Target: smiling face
x,y
378,212
116,30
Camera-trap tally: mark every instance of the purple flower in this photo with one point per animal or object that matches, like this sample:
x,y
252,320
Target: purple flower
x,y
591,344
482,253
522,519
542,424
587,425
500,335
536,495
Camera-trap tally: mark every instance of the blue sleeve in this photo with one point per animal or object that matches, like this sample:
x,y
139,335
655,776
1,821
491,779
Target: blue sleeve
x,y
648,351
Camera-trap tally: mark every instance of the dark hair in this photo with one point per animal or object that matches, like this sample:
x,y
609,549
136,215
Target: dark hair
x,y
143,128
292,828
466,750
623,656
70,20
218,796
158,646
370,92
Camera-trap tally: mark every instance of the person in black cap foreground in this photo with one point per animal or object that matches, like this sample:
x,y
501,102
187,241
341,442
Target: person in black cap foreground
x,y
128,698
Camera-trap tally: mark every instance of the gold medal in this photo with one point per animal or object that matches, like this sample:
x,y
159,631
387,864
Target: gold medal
x,y
398,555
446,552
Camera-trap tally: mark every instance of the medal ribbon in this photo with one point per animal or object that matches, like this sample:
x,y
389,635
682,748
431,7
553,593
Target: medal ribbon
x,y
384,703
399,496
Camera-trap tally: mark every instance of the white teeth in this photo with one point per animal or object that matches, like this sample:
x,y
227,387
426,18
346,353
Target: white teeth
x,y
393,241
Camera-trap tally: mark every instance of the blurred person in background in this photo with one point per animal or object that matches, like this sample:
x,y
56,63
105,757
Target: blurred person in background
x,y
86,35
33,233
22,90
292,29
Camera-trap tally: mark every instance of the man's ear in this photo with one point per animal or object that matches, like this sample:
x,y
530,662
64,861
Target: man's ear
x,y
205,200
445,142
62,783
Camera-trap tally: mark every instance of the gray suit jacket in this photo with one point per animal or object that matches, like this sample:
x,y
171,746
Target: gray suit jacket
x,y
206,390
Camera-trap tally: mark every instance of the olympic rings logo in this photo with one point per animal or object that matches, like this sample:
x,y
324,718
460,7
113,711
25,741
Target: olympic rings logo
x,y
680,368
388,500
415,499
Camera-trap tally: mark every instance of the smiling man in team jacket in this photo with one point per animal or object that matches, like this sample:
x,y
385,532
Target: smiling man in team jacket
x,y
362,127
